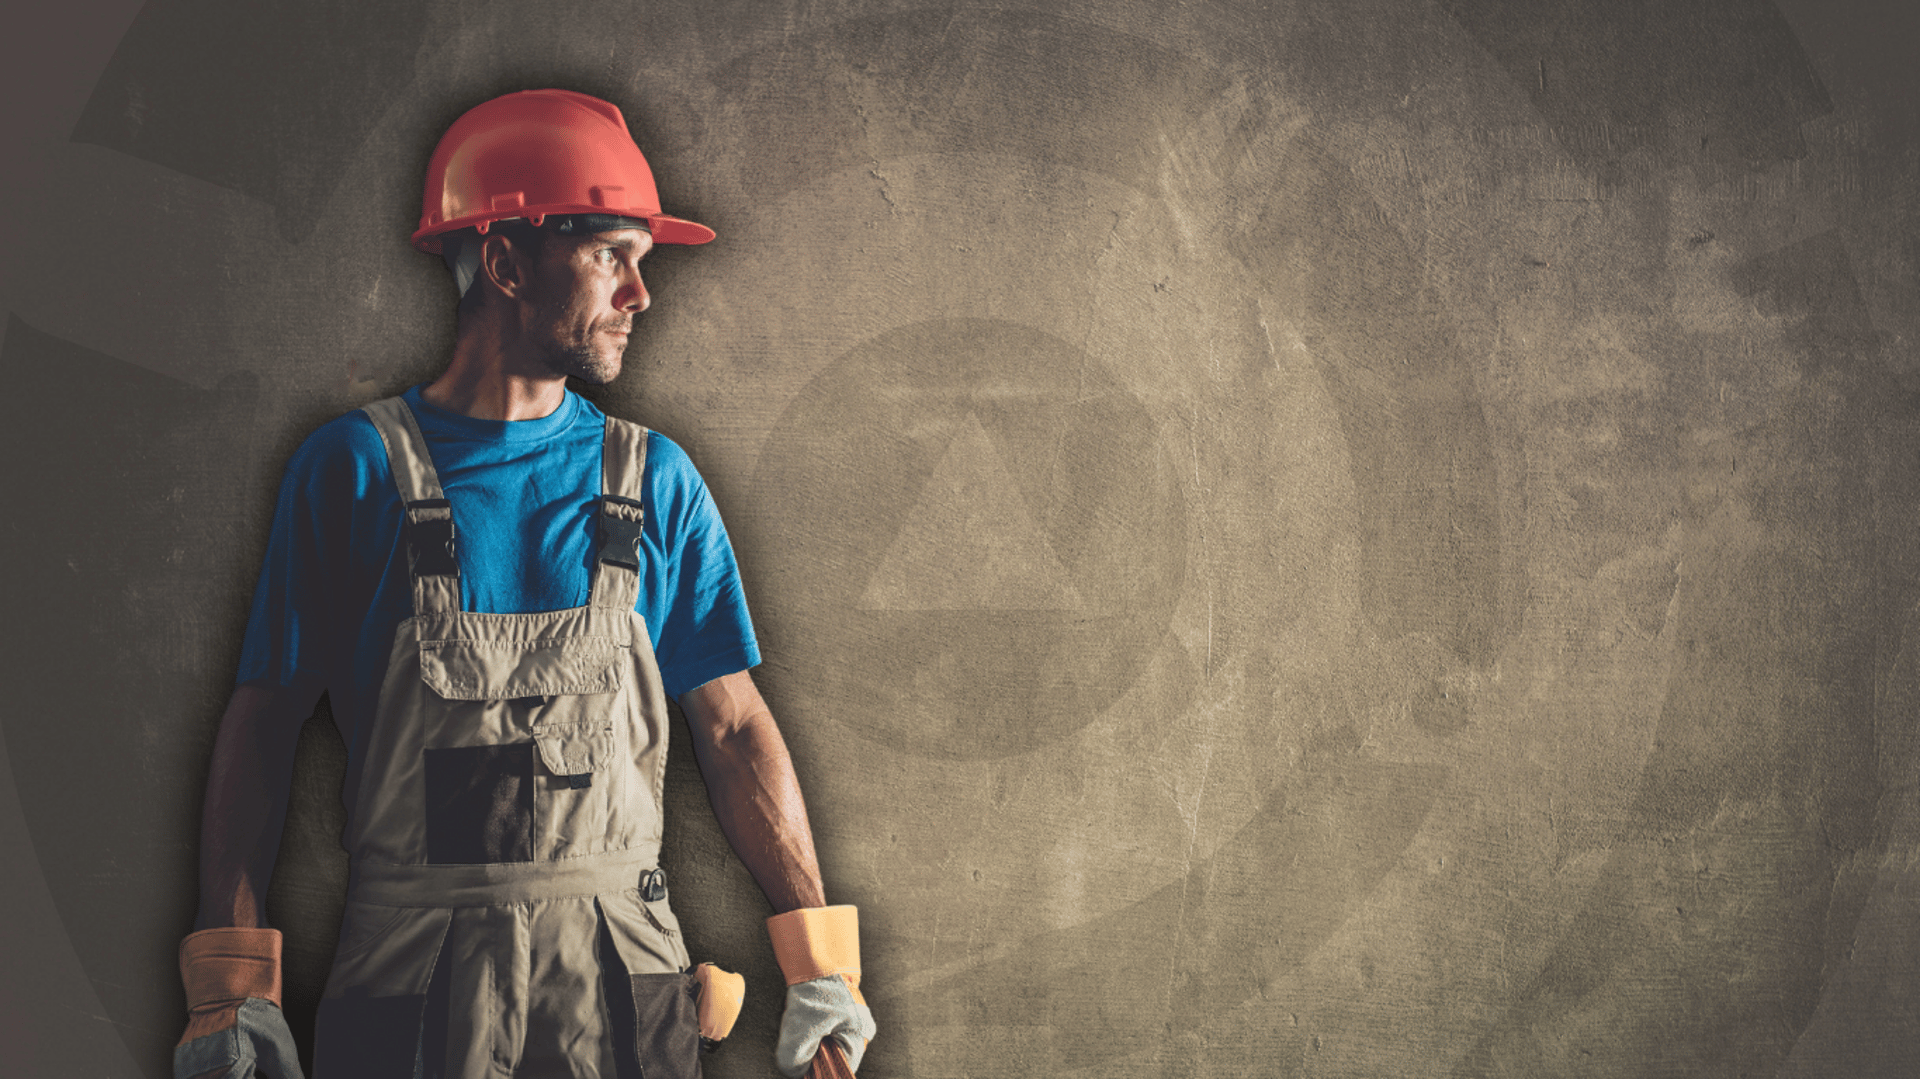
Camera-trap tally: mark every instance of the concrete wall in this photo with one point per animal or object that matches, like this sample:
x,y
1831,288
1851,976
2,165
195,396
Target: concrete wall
x,y
1321,538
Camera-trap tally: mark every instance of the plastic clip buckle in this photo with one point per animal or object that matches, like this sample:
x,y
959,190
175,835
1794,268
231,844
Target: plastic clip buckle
x,y
430,545
619,537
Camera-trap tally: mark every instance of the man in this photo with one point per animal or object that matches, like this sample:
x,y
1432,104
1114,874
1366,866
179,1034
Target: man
x,y
498,586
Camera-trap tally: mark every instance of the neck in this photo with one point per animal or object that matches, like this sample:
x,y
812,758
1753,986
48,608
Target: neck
x,y
489,380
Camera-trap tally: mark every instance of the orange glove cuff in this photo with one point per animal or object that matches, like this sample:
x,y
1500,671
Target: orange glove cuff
x,y
816,941
229,965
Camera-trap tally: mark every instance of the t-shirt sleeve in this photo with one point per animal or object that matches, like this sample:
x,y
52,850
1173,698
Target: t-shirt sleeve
x,y
705,630
294,630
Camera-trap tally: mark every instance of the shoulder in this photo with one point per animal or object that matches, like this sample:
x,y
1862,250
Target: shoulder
x,y
351,434
668,465
347,447
679,496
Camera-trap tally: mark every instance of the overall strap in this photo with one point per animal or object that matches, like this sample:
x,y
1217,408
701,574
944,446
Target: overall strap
x,y
616,559
432,558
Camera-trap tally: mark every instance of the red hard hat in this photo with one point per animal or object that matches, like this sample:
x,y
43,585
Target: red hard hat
x,y
536,153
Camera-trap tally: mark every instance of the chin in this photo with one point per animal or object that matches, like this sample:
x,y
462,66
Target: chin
x,y
587,367
598,373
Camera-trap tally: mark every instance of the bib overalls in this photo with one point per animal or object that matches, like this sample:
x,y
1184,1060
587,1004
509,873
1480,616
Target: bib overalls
x,y
505,916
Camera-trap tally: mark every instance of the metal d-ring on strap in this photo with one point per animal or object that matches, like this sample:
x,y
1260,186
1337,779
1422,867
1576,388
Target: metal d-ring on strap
x,y
653,885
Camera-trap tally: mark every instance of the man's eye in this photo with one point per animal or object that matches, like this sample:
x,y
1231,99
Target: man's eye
x,y
606,255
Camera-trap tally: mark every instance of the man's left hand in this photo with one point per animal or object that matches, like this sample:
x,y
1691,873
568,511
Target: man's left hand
x,y
819,952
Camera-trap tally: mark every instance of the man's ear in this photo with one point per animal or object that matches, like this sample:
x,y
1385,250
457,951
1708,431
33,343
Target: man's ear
x,y
505,264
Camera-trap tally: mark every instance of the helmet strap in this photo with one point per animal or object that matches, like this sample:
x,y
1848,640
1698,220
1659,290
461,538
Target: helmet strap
x,y
588,224
461,249
463,258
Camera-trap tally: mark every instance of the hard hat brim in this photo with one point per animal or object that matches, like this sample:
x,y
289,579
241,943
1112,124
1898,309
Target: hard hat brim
x,y
666,228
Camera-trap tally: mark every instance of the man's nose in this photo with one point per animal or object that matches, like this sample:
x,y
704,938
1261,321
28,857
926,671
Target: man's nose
x,y
633,295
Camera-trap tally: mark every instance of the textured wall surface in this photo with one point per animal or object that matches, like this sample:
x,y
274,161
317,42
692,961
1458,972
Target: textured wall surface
x,y
1294,538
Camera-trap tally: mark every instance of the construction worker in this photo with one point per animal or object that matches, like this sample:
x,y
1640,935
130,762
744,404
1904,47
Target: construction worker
x,y
499,586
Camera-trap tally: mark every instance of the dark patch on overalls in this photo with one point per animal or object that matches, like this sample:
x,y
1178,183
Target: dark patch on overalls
x,y
654,1019
480,804
369,1037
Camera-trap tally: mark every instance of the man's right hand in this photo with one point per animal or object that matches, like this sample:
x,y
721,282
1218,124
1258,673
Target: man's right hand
x,y
234,1026
231,968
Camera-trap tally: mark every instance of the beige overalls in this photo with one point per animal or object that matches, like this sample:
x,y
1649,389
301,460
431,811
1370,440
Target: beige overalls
x,y
506,824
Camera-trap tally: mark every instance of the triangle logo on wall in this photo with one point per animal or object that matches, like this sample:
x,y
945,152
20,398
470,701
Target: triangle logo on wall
x,y
969,542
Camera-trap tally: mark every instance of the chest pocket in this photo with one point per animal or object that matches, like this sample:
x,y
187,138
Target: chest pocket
x,y
475,670
562,687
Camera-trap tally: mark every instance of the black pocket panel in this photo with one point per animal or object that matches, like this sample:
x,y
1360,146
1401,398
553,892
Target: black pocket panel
x,y
366,1037
480,804
666,1026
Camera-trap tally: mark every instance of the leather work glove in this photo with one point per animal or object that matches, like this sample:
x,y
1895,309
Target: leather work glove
x,y
721,994
234,1026
819,952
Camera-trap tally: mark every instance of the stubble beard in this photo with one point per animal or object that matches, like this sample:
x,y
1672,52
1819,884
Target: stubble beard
x,y
589,360
583,363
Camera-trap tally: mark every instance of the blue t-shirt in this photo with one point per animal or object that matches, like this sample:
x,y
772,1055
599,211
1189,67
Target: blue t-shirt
x,y
335,586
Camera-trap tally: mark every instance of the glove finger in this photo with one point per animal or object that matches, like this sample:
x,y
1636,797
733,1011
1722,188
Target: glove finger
x,y
853,1045
265,1028
212,1056
794,1053
805,1021
815,1009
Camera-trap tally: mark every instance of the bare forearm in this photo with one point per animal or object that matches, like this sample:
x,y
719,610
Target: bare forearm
x,y
246,806
755,795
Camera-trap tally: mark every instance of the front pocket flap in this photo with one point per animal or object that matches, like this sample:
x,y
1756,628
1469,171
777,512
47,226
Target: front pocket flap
x,y
574,751
466,670
646,936
387,951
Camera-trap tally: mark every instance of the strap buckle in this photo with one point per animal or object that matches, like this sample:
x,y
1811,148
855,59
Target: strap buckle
x,y
431,551
620,533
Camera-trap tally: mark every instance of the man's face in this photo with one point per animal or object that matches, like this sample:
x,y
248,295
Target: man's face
x,y
581,299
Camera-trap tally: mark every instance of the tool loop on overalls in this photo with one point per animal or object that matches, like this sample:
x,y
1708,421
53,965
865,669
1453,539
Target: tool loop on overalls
x,y
621,520
653,885
430,544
